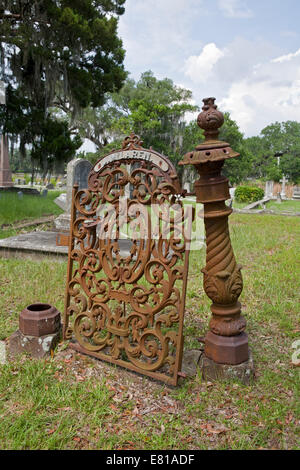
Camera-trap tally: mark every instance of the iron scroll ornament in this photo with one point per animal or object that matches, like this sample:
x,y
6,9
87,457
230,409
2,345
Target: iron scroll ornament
x,y
125,296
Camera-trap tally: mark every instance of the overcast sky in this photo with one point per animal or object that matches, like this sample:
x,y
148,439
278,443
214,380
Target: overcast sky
x,y
246,53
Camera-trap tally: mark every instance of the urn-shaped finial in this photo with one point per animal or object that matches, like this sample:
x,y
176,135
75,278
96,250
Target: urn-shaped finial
x,y
211,119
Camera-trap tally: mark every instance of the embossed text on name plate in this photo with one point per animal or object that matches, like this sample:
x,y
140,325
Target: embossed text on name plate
x,y
132,154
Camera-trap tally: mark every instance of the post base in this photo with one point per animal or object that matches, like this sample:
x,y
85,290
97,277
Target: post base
x,y
227,349
38,347
213,371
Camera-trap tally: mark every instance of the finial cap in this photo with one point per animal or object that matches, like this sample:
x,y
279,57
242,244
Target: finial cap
x,y
211,119
212,149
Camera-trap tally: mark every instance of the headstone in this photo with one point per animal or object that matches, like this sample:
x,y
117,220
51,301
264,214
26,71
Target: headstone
x,y
269,189
44,192
296,192
5,173
61,201
187,187
188,178
2,92
232,192
50,186
278,200
20,195
283,181
77,172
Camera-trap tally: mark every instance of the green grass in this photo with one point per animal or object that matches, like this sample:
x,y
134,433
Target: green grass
x,y
292,206
289,206
13,209
82,403
239,205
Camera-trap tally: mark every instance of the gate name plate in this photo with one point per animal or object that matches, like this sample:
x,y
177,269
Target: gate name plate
x,y
134,155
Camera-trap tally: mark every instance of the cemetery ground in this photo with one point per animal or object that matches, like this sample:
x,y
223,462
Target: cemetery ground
x,y
15,211
70,401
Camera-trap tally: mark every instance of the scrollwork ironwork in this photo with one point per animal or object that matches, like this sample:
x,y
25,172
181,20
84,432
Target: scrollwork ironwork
x,y
125,296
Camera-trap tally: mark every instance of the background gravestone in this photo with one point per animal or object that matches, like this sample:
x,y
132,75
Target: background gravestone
x,y
5,172
77,172
269,189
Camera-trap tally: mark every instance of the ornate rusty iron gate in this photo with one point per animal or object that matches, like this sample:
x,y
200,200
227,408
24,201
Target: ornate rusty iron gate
x,y
125,294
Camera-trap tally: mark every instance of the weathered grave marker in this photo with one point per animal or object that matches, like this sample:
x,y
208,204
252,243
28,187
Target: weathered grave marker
x,y
127,307
77,173
269,189
284,180
5,172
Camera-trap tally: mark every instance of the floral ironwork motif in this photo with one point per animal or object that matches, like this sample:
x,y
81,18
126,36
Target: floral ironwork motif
x,y
125,295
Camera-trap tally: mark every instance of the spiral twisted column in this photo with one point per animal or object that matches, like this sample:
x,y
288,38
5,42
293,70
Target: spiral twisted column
x,y
226,342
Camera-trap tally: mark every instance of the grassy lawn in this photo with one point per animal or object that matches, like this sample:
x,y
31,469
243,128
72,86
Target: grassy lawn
x,y
13,209
76,402
292,206
239,205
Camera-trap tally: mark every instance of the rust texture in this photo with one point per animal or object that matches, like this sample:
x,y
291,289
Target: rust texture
x,y
39,320
226,342
125,297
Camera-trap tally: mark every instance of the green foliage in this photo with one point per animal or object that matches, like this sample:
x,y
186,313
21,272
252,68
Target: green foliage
x,y
72,42
65,54
236,169
54,146
154,109
53,181
278,140
50,140
274,173
27,179
248,194
96,124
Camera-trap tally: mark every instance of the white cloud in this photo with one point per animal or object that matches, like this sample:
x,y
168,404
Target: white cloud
x,y
270,93
287,57
156,33
256,79
250,79
235,9
199,68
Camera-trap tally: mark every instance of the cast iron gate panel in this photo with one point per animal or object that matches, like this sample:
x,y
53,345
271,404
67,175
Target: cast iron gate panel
x,y
126,304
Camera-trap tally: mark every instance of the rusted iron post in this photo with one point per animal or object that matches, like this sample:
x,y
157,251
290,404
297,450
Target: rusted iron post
x,y
39,331
226,342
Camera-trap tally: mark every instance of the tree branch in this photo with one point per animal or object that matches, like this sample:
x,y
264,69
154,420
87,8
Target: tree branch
x,y
11,16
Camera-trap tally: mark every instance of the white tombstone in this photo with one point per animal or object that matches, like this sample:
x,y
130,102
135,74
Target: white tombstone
x,y
269,189
283,181
232,192
77,172
5,172
187,186
61,201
